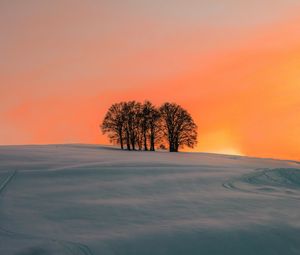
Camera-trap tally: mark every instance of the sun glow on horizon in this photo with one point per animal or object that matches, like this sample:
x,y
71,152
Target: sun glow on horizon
x,y
229,151
224,151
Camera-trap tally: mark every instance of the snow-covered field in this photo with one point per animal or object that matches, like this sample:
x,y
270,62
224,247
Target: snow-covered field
x,y
86,199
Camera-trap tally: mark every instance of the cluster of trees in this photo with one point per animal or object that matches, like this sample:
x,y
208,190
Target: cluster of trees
x,y
134,125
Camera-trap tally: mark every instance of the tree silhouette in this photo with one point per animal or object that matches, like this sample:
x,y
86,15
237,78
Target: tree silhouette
x,y
113,123
145,120
178,126
150,125
143,126
155,127
131,116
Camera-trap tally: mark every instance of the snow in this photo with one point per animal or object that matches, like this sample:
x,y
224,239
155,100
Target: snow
x,y
88,199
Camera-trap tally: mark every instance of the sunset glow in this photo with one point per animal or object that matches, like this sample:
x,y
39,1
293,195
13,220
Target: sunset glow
x,y
235,65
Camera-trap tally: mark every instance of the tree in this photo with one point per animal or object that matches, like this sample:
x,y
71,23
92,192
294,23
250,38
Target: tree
x,y
138,124
113,124
143,126
179,127
155,127
149,125
131,112
145,119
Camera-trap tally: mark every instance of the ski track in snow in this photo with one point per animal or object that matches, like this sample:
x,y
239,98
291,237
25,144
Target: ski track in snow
x,y
7,180
68,245
270,182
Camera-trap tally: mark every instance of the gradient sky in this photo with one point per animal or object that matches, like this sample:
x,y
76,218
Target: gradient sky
x,y
234,64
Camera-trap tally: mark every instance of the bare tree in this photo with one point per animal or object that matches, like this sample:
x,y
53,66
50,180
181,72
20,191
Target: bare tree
x,y
179,127
127,112
150,120
138,124
113,124
155,127
131,113
141,125
145,119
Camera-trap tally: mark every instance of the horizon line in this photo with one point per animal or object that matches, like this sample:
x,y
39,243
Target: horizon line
x,y
192,152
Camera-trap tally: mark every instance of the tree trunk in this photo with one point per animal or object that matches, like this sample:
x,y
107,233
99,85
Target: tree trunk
x,y
152,144
176,145
171,143
121,140
152,140
145,141
127,141
171,147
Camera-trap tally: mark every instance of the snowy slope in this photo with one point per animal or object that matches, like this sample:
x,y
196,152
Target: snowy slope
x,y
86,199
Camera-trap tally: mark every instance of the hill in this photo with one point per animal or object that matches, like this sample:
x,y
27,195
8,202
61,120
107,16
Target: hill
x,y
87,199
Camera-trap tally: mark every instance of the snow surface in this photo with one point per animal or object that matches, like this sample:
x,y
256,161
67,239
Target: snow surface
x,y
86,199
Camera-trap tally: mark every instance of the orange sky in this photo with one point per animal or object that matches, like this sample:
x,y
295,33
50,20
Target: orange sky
x,y
235,65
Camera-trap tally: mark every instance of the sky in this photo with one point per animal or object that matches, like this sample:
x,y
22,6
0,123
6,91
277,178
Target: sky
x,y
233,64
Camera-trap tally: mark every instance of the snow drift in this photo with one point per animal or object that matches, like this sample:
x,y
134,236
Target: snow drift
x,y
85,199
